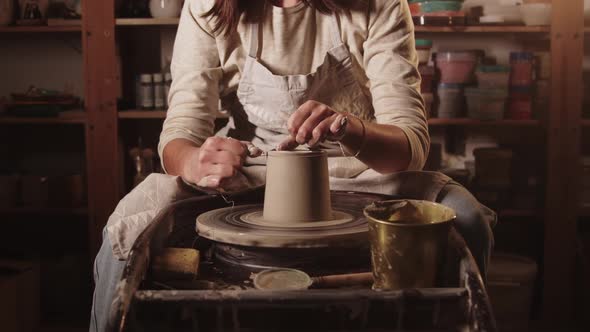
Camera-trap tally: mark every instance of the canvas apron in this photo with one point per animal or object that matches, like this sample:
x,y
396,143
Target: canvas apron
x,y
264,103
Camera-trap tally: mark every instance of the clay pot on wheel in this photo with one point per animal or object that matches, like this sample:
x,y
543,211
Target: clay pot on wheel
x,y
297,187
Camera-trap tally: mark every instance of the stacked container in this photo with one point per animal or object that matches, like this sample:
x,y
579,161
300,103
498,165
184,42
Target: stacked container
x,y
437,12
521,86
488,100
456,71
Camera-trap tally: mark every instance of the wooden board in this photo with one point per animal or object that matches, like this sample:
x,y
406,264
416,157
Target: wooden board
x,y
40,28
485,29
142,114
146,21
562,163
101,105
471,122
41,121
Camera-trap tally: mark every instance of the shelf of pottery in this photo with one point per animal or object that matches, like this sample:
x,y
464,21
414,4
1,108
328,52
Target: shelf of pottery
x,y
41,93
486,93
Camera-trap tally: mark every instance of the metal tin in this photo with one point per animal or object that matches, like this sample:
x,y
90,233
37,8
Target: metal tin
x,y
282,279
409,241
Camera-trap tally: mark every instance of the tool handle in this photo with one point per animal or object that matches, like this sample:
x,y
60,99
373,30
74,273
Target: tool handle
x,y
341,280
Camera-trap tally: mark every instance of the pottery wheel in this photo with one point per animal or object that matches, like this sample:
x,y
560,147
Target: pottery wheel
x,y
243,225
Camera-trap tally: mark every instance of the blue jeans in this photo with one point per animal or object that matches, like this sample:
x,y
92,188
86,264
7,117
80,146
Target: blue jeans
x,y
471,223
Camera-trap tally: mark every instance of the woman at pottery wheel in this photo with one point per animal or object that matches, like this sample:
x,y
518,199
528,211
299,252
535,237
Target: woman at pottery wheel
x,y
338,75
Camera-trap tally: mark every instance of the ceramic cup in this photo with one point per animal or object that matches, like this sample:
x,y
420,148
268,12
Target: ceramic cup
x,y
297,187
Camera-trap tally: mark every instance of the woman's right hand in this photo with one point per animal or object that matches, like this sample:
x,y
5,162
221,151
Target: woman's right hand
x,y
216,160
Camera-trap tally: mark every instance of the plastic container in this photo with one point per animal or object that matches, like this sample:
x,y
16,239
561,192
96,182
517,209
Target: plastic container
x,y
522,65
428,100
536,13
415,7
493,167
456,67
509,14
423,47
441,6
486,104
427,74
520,106
493,76
451,101
510,287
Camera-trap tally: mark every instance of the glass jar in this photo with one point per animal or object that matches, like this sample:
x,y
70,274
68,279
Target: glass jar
x,y
146,91
159,96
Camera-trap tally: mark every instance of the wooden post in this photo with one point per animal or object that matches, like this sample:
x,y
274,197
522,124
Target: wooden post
x,y
101,107
562,164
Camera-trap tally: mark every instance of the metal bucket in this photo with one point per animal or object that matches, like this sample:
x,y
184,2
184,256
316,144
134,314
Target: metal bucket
x,y
409,241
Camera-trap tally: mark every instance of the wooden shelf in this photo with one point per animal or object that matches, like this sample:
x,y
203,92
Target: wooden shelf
x,y
146,21
41,120
142,114
484,29
41,28
475,123
44,211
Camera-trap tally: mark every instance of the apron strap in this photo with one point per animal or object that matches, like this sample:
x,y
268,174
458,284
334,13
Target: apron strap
x,y
254,28
254,40
336,39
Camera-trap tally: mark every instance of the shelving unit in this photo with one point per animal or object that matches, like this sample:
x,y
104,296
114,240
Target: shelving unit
x,y
142,114
477,123
586,122
146,21
81,212
40,29
484,29
42,121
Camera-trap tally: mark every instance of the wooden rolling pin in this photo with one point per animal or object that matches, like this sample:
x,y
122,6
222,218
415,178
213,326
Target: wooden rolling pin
x,y
175,264
343,280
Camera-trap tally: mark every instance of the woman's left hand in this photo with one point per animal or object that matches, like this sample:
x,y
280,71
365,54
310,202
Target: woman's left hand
x,y
313,123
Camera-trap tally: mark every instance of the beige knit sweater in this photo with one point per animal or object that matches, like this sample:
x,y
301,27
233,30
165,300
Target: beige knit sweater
x,y
379,35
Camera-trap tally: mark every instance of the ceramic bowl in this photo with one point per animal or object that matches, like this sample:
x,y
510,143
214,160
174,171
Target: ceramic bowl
x,y
536,13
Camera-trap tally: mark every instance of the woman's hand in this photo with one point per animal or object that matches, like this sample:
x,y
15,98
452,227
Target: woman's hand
x,y
312,124
216,160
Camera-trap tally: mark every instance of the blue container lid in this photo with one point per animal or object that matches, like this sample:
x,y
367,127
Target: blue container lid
x,y
423,42
521,56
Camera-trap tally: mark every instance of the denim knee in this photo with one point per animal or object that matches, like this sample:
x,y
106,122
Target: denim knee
x,y
472,223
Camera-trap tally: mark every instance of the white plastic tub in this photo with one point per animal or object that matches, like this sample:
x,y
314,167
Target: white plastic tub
x,y
536,13
486,104
510,287
493,76
451,100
